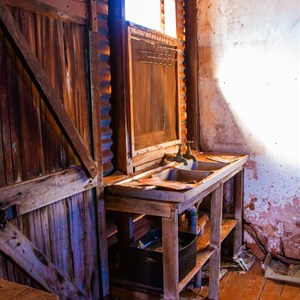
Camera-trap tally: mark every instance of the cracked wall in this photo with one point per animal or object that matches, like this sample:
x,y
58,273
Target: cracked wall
x,y
249,103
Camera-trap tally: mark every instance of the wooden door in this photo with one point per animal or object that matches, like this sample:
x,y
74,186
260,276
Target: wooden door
x,y
51,209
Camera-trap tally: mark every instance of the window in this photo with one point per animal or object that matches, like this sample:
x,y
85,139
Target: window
x,y
148,89
159,15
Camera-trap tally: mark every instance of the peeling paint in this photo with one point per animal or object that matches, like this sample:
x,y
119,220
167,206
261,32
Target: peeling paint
x,y
249,93
251,165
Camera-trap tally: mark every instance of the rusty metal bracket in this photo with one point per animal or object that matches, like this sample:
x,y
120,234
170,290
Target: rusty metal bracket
x,y
8,214
3,219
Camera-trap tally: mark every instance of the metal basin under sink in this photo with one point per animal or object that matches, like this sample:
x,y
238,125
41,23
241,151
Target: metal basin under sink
x,y
202,165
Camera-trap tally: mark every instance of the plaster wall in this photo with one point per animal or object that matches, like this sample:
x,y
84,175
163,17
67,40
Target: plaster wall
x,y
249,102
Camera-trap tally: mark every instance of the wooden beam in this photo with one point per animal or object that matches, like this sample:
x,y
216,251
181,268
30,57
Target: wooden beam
x,y
170,256
191,71
67,10
215,241
49,95
93,15
42,191
238,209
20,250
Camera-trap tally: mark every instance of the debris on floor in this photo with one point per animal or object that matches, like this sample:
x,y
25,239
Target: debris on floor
x,y
277,270
244,257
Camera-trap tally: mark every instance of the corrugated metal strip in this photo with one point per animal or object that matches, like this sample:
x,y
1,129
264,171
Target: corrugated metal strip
x,y
182,87
104,85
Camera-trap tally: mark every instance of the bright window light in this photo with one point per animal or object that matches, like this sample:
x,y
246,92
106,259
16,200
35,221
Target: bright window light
x,y
170,18
143,12
147,14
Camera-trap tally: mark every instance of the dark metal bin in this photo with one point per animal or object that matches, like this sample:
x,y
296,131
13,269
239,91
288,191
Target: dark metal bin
x,y
146,263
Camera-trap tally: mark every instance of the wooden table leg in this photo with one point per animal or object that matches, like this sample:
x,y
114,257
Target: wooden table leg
x,y
170,256
215,242
124,224
238,210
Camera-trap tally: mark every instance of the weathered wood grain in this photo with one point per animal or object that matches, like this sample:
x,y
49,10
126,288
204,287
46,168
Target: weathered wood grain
x,y
36,193
67,10
170,256
215,242
18,248
49,94
238,209
11,290
191,73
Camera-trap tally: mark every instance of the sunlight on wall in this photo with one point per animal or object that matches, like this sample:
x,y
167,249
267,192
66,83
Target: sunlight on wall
x,y
262,90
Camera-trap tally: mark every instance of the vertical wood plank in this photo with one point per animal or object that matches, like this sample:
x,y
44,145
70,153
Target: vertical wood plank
x,y
5,126
3,98
13,111
215,241
103,251
36,37
191,70
170,256
238,209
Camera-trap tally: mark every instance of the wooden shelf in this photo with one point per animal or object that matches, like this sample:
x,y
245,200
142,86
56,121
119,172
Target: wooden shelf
x,y
204,249
204,253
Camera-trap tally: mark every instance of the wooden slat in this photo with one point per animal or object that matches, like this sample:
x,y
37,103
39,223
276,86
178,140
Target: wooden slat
x,y
40,78
215,241
3,121
35,193
67,10
238,209
191,63
93,15
170,256
140,206
94,91
11,290
103,244
18,248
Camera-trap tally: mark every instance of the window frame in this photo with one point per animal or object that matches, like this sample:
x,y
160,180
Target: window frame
x,y
126,159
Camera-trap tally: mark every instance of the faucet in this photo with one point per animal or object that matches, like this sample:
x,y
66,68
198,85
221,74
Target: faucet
x,y
177,158
188,154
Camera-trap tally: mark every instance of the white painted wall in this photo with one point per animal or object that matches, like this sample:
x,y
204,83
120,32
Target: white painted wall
x,y
249,88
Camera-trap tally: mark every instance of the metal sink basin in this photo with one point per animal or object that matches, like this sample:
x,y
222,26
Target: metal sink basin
x,y
202,165
182,175
161,183
149,186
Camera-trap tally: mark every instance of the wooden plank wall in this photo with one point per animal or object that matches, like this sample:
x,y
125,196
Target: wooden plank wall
x,y
32,145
